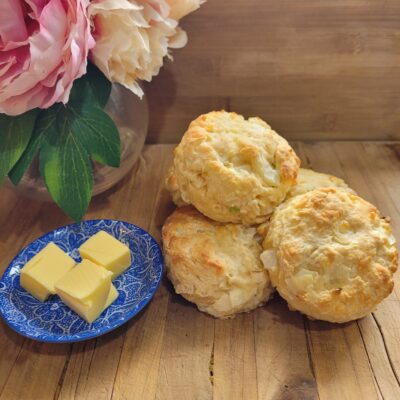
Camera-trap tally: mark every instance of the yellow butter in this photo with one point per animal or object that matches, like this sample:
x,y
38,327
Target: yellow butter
x,y
86,289
90,316
44,270
103,249
112,296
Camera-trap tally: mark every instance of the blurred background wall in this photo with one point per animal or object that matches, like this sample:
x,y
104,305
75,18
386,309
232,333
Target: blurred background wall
x,y
313,69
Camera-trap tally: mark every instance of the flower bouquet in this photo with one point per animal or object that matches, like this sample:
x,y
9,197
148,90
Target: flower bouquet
x,y
58,59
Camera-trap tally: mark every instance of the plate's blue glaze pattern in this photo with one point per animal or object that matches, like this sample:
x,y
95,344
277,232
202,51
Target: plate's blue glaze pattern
x,y
53,321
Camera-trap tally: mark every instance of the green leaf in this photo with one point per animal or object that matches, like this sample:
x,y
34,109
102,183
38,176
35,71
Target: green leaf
x,y
100,85
97,132
66,169
45,125
66,137
15,133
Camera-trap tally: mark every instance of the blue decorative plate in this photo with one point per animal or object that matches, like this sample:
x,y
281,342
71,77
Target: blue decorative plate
x,y
53,321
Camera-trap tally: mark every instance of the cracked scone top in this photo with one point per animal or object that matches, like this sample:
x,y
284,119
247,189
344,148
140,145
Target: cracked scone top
x,y
216,266
232,169
330,255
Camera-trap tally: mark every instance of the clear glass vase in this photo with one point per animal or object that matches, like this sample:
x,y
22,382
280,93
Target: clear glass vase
x,y
130,113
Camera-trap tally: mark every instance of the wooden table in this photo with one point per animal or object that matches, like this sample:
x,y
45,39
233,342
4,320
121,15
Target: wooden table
x,y
172,351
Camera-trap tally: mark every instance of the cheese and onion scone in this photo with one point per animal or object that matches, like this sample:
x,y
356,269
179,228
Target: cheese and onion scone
x,y
330,255
214,265
232,169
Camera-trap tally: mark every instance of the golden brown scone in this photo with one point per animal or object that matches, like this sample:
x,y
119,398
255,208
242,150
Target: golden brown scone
x,y
216,266
232,169
330,255
171,185
307,180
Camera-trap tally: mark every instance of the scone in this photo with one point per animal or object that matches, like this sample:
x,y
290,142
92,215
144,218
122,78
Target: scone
x,y
171,185
307,180
232,169
330,255
216,266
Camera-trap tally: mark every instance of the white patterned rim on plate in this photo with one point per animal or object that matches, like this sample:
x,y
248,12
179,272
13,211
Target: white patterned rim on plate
x,y
52,321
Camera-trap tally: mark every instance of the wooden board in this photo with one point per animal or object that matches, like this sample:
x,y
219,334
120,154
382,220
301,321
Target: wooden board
x,y
312,69
171,351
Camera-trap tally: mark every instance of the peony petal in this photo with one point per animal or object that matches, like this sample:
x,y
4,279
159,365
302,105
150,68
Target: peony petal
x,y
12,24
17,105
18,59
7,60
181,8
37,7
97,7
162,7
179,40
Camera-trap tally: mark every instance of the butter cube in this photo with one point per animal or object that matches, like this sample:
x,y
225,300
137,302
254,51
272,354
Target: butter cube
x,y
44,270
86,289
103,249
112,296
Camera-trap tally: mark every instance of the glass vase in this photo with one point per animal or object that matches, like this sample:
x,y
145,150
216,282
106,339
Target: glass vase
x,y
130,113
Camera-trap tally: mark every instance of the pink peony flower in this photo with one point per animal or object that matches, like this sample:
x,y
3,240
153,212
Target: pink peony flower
x,y
44,46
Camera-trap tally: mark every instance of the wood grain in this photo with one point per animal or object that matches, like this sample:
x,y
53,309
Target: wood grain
x,y
171,351
184,371
235,367
284,364
312,69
